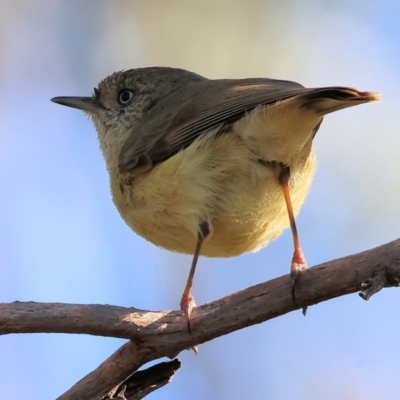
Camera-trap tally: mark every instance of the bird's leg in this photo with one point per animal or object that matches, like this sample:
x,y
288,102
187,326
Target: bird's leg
x,y
299,263
187,301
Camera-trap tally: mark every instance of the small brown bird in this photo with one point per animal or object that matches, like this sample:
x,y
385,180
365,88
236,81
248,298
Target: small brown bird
x,y
210,167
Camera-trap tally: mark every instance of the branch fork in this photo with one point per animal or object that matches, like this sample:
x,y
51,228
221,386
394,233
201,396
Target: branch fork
x,y
156,334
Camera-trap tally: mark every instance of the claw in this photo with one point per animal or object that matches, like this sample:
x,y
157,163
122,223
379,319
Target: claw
x,y
299,265
187,305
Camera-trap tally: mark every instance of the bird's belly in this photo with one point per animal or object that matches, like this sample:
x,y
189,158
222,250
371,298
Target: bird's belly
x,y
220,181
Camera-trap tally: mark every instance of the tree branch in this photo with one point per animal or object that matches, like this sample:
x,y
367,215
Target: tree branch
x,y
156,334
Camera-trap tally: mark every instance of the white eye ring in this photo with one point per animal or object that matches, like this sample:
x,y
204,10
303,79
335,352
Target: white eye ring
x,y
125,96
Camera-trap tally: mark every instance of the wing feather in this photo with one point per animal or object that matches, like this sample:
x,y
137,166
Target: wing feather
x,y
178,120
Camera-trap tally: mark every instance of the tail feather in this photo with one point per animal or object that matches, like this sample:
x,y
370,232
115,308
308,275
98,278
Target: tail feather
x,y
326,100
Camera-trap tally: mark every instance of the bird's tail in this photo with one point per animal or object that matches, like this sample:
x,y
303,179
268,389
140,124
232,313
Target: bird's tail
x,y
329,99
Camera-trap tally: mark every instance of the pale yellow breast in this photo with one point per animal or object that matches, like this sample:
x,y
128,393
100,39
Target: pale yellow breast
x,y
219,179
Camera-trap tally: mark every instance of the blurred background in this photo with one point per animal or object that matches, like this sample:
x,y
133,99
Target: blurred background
x,y
62,240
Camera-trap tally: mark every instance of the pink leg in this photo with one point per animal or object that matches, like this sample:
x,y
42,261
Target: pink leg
x,y
299,263
187,301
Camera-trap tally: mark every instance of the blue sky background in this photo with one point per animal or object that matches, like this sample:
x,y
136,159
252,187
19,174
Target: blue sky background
x,y
61,239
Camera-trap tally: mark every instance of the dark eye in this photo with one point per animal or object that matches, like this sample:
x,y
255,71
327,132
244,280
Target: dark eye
x,y
125,96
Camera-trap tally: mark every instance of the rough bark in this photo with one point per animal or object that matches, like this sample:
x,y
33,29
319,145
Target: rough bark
x,y
141,383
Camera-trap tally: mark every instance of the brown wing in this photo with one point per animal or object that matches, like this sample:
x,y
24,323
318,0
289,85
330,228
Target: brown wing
x,y
178,120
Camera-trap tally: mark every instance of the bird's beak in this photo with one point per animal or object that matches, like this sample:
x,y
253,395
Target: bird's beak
x,y
88,104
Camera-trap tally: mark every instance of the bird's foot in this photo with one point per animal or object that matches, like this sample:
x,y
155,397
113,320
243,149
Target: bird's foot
x,y
187,305
299,264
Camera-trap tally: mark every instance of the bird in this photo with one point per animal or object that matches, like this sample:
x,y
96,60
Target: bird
x,y
210,167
